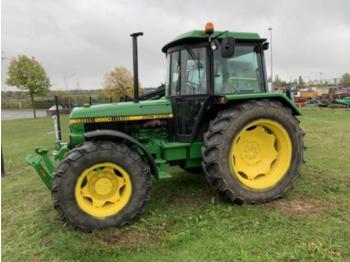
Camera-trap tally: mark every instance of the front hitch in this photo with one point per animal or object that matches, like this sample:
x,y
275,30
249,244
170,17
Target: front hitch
x,y
43,165
46,173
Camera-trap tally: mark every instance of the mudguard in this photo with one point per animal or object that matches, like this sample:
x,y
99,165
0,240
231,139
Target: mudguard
x,y
273,96
122,137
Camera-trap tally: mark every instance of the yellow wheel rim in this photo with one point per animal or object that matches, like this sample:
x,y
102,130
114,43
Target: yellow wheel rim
x,y
260,154
102,190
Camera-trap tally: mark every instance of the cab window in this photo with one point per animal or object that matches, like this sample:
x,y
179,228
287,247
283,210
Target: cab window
x,y
241,73
187,72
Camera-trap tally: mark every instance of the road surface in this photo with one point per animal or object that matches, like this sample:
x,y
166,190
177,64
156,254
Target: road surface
x,y
19,114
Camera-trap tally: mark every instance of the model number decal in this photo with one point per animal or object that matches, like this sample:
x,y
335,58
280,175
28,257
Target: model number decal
x,y
117,118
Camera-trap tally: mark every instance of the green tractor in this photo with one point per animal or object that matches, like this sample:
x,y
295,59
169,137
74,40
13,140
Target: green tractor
x,y
213,116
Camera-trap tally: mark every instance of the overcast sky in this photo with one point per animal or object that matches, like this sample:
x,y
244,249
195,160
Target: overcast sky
x,y
83,40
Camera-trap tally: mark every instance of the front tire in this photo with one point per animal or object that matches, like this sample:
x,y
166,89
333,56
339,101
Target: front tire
x,y
253,152
101,184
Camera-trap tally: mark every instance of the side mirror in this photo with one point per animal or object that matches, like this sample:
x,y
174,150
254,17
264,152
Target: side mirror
x,y
265,45
228,47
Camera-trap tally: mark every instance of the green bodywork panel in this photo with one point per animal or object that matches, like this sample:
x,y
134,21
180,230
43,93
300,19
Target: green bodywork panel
x,y
172,153
275,96
200,35
77,134
122,110
148,107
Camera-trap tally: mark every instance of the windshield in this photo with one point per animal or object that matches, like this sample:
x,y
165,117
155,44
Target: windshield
x,y
241,73
187,73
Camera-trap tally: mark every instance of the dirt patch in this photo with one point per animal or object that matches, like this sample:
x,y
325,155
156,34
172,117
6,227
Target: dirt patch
x,y
186,201
132,239
299,207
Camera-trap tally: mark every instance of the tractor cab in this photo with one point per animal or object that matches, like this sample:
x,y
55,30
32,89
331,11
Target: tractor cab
x,y
204,65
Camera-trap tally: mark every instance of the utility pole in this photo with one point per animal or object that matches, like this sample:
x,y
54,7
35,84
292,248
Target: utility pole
x,y
66,78
321,77
271,75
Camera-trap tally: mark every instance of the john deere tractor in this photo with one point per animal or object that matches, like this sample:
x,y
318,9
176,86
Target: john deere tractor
x,y
213,116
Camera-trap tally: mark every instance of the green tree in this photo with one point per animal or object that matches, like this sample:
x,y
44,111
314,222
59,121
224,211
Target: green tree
x,y
119,83
284,83
345,80
27,74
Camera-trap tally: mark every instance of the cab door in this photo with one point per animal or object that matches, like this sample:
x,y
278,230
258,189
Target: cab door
x,y
188,89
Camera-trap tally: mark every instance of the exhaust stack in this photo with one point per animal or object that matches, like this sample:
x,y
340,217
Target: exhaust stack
x,y
135,65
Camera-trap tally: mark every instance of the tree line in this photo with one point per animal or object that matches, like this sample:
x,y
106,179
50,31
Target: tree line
x,y
29,75
300,82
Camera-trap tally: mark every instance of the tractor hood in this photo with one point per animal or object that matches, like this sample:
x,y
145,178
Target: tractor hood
x,y
126,111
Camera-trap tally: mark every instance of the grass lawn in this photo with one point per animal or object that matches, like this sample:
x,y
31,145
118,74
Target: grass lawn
x,y
185,220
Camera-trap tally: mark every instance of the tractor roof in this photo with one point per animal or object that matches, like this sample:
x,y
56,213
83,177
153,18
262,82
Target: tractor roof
x,y
200,35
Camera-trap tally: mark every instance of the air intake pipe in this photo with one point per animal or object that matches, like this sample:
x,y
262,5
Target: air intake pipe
x,y
135,65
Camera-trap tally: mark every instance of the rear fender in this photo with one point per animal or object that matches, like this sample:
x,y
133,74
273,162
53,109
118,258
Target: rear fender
x,y
271,96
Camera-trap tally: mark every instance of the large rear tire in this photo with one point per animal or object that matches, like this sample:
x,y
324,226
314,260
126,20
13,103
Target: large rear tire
x,y
253,152
101,184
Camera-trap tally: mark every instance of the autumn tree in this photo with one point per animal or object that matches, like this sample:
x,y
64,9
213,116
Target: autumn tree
x,y
345,80
119,83
28,74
